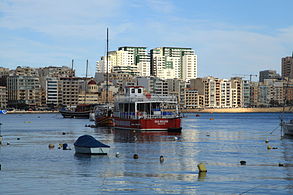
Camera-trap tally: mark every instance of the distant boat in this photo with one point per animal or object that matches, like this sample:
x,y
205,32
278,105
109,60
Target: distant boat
x,y
87,144
81,111
92,116
287,127
104,115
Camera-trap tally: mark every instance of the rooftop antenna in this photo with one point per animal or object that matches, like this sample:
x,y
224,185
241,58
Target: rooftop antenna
x,y
72,61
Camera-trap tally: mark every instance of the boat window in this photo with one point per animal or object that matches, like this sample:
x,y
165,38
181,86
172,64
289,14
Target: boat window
x,y
138,90
132,90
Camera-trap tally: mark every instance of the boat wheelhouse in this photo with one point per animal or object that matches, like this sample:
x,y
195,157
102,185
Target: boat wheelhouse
x,y
139,111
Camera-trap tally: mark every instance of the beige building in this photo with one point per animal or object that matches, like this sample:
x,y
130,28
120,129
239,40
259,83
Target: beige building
x,y
193,99
24,90
69,90
219,93
90,94
3,97
26,71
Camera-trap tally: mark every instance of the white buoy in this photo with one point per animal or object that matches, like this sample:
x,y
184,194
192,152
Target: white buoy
x,y
175,138
117,154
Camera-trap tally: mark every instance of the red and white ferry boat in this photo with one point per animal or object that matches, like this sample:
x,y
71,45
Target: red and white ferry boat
x,y
146,112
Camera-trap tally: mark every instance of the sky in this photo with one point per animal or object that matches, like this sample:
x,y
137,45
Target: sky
x,y
230,38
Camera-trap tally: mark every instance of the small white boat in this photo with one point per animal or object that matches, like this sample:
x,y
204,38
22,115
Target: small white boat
x,y
92,116
287,127
87,144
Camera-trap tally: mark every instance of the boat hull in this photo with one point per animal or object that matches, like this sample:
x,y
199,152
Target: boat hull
x,y
158,124
104,121
94,150
72,114
288,129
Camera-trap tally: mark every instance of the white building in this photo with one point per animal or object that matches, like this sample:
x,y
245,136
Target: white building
x,y
52,91
133,60
174,62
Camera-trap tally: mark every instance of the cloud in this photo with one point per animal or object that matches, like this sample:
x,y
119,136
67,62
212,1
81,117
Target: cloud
x,y
54,32
58,18
163,6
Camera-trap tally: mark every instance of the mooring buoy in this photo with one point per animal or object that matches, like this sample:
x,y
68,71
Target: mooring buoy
x,y
117,154
51,146
243,162
269,147
201,167
135,156
161,159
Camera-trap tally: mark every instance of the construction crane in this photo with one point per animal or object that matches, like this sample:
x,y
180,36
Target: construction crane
x,y
250,75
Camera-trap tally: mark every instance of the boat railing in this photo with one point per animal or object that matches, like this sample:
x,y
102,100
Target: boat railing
x,y
143,115
156,98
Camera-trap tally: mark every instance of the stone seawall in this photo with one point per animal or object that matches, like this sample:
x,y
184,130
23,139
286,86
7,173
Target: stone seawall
x,y
31,112
241,110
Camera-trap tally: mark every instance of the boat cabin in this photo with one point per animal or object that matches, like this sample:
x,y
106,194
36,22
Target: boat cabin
x,y
137,104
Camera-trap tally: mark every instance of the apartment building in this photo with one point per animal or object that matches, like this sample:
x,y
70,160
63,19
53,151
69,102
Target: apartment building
x,y
268,74
153,85
52,92
173,62
287,67
3,97
131,60
176,87
69,90
193,99
219,93
24,90
271,92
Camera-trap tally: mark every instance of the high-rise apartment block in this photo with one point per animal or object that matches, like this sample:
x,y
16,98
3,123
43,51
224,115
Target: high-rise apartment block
x,y
174,62
287,67
132,60
162,62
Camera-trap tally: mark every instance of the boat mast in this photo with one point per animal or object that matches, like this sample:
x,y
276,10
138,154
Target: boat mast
x,y
71,82
107,74
85,80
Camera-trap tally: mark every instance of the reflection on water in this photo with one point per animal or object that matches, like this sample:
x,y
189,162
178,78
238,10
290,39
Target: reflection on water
x,y
220,143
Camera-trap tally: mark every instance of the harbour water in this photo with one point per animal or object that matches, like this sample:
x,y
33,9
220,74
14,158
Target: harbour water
x,y
28,166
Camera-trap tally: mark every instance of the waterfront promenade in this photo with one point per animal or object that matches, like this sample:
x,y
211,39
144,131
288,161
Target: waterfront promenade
x,y
240,110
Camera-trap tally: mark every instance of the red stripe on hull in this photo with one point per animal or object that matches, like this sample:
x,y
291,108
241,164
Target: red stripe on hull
x,y
162,124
